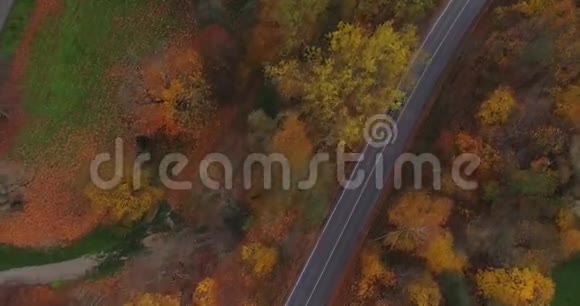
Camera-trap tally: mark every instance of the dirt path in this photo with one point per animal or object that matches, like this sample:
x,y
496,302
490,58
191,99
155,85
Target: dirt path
x,y
46,274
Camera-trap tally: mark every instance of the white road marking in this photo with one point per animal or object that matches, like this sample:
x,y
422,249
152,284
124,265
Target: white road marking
x,y
365,149
374,166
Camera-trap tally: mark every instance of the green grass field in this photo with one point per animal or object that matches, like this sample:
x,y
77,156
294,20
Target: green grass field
x,y
101,240
112,242
65,83
66,88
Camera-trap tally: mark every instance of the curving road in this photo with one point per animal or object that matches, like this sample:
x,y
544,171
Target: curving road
x,y
353,210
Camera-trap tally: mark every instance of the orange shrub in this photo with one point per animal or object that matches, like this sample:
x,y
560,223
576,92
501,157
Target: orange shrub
x,y
489,157
373,274
260,258
176,82
570,242
152,299
292,141
419,209
205,293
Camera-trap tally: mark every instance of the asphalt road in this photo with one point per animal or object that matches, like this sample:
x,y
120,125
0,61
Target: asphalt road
x,y
353,210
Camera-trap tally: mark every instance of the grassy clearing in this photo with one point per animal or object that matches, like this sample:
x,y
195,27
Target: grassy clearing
x,y
567,278
67,88
114,243
66,85
100,240
14,28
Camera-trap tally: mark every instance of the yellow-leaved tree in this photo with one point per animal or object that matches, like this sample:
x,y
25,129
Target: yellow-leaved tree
x,y
292,141
205,293
259,258
497,108
441,256
515,287
124,203
404,11
416,216
347,82
373,275
423,291
300,21
152,299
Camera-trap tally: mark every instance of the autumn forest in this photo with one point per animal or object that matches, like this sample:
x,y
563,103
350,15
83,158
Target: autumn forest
x,y
295,78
